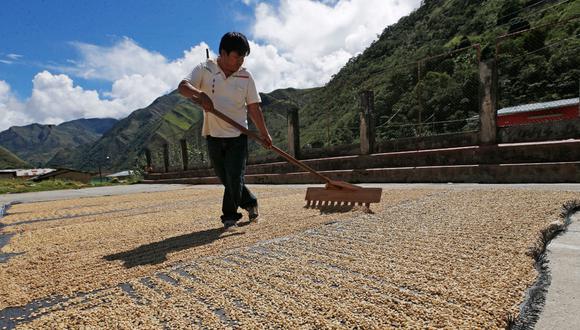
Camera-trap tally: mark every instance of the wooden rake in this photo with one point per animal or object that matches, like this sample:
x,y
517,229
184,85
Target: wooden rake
x,y
334,194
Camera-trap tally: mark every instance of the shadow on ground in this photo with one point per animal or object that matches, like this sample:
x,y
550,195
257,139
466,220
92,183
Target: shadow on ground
x,y
329,209
156,253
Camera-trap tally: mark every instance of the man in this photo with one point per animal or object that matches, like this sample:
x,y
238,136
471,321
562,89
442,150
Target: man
x,y
225,84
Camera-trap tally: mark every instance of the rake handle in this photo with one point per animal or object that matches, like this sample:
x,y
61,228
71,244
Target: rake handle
x,y
276,149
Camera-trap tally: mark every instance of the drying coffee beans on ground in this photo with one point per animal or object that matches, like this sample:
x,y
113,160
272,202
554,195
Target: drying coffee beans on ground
x,y
422,258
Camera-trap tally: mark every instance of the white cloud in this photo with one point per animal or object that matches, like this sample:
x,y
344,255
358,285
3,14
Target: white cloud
x,y
127,58
269,67
11,110
10,58
317,38
138,77
136,91
55,99
14,56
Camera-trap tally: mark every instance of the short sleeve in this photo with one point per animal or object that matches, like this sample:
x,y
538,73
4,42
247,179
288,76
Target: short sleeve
x,y
195,76
252,95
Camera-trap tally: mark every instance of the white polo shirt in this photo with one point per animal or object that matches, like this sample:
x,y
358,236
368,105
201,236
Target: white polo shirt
x,y
229,96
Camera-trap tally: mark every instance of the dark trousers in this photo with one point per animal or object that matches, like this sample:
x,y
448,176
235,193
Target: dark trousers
x,y
228,157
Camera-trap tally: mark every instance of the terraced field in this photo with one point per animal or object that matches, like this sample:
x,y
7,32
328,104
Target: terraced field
x,y
422,258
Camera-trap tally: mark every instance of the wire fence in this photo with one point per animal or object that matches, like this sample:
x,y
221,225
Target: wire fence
x,y
539,64
438,95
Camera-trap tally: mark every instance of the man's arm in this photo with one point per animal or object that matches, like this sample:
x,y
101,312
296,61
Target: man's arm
x,y
188,90
257,117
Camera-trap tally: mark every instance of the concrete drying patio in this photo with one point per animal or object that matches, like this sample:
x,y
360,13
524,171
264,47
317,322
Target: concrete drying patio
x,y
428,256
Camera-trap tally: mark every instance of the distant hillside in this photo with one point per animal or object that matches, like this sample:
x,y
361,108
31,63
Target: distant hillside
x,y
169,119
37,144
166,119
275,106
9,160
94,125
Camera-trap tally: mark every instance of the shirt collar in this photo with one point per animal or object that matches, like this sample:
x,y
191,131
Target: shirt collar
x,y
219,71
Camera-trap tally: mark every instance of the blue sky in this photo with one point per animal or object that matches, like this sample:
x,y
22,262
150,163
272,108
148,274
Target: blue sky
x,y
41,30
63,59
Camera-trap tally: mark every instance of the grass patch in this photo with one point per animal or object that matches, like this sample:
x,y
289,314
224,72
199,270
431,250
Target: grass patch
x,y
19,185
12,186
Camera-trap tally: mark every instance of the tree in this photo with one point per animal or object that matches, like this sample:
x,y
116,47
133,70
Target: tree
x,y
509,10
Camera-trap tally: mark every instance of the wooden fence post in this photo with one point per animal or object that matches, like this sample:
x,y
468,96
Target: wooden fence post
x,y
293,133
367,124
166,157
148,159
488,98
184,153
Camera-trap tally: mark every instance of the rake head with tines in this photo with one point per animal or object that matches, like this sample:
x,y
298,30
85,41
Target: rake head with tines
x,y
341,198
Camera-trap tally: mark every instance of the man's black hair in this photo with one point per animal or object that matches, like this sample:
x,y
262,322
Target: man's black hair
x,y
235,41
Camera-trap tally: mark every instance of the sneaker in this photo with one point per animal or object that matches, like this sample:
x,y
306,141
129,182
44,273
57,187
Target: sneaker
x,y
229,224
252,212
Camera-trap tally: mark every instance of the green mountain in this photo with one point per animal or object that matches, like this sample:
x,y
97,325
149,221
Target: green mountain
x,y
9,160
167,119
37,144
275,106
93,125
